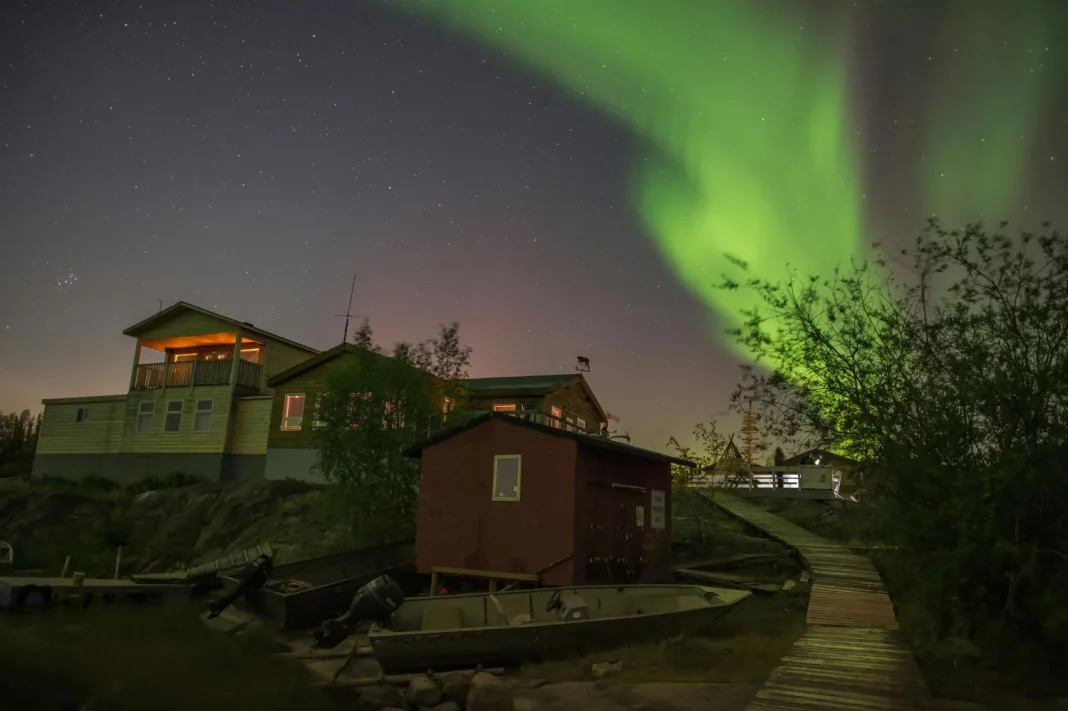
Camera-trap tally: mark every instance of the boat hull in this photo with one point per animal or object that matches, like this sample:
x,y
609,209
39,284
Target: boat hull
x,y
505,645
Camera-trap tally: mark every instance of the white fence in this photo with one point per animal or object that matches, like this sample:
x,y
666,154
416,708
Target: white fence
x,y
807,478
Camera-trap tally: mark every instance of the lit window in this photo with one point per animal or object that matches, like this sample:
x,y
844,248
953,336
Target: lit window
x,y
446,405
82,415
355,410
172,421
252,355
144,416
202,416
509,407
557,415
394,416
184,357
639,516
507,476
293,411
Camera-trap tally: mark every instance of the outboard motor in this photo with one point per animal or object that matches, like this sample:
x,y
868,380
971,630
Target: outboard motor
x,y
256,575
374,602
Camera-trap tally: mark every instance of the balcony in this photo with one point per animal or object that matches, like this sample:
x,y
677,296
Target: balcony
x,y
155,376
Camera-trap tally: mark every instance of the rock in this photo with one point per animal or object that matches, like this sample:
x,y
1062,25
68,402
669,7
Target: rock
x,y
448,706
789,585
603,669
380,697
488,693
423,691
455,686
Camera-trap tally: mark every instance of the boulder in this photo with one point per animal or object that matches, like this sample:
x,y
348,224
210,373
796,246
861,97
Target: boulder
x,y
603,669
380,697
455,686
488,693
423,692
448,706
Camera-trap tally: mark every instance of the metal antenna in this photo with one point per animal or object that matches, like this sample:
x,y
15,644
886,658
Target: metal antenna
x,y
160,305
348,311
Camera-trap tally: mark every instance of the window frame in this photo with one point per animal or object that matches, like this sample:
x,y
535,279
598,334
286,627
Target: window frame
x,y
287,424
143,414
169,412
580,424
82,415
497,458
198,411
557,415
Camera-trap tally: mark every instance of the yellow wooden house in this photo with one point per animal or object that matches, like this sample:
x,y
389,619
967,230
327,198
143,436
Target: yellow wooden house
x,y
198,403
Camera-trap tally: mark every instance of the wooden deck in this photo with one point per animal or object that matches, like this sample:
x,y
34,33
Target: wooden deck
x,y
851,656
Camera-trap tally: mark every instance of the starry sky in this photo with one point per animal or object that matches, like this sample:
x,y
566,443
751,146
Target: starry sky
x,y
250,156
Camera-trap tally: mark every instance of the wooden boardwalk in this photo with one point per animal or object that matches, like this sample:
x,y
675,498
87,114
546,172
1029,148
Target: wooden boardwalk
x,y
851,656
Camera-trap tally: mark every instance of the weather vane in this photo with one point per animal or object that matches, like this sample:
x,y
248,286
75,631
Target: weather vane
x,y
582,364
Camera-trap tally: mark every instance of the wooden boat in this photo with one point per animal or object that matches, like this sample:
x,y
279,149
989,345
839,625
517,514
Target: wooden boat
x,y
454,631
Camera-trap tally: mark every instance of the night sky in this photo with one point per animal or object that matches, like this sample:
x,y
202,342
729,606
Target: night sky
x,y
250,156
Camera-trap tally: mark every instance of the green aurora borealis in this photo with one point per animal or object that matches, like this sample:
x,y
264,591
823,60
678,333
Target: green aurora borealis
x,y
747,127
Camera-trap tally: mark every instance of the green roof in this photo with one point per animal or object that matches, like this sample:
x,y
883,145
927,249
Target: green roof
x,y
518,382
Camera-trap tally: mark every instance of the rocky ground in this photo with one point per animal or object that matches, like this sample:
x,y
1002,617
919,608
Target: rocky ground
x,y
162,529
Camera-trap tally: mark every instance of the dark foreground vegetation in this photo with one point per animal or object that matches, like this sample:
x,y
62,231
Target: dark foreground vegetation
x,y
132,658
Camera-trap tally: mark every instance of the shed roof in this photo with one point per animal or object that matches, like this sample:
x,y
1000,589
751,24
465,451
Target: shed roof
x,y
582,439
141,326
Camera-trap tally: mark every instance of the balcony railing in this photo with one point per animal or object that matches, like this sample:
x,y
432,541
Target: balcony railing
x,y
153,376
548,420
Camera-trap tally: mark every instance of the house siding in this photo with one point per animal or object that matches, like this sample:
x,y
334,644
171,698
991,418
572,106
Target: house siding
x,y
251,418
282,356
310,383
186,440
101,433
186,323
460,526
574,401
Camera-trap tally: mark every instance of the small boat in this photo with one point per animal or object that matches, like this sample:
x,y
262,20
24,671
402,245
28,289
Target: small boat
x,y
454,631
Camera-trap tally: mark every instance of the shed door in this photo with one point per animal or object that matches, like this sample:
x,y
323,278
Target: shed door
x,y
620,518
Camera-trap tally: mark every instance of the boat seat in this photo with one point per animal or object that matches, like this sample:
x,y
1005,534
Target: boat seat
x,y
441,617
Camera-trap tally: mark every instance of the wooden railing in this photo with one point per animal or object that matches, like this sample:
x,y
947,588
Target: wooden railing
x,y
549,421
152,376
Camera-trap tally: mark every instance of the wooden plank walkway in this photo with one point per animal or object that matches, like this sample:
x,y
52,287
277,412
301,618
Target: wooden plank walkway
x,y
851,656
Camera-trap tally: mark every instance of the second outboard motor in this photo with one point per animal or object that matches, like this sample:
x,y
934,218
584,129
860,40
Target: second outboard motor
x,y
374,602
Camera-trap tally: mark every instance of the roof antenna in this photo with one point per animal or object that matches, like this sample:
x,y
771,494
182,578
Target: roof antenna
x,y
582,364
160,301
348,311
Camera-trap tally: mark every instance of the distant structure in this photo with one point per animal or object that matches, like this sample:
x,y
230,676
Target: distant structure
x,y
749,434
582,364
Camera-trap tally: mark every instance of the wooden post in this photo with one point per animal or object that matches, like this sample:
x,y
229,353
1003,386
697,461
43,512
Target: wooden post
x,y
118,562
166,372
263,367
237,359
433,583
137,362
66,564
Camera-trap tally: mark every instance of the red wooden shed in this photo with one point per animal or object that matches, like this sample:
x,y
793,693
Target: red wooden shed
x,y
508,498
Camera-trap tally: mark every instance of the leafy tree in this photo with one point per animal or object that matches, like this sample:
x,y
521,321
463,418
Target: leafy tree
x,y
706,451
18,443
951,386
373,409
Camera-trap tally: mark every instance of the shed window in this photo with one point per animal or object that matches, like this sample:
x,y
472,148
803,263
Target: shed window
x,y
581,423
557,415
504,407
639,516
82,415
507,476
202,417
144,416
172,421
293,411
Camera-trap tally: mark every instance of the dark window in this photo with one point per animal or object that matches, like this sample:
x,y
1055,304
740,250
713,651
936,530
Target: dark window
x,y
172,422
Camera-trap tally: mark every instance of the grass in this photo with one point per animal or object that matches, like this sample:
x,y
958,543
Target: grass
x,y
741,648
136,657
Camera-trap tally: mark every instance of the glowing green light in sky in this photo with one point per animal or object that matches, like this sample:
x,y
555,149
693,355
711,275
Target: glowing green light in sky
x,y
993,69
745,117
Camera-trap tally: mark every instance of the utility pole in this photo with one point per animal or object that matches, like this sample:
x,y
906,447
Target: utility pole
x,y
348,311
749,433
